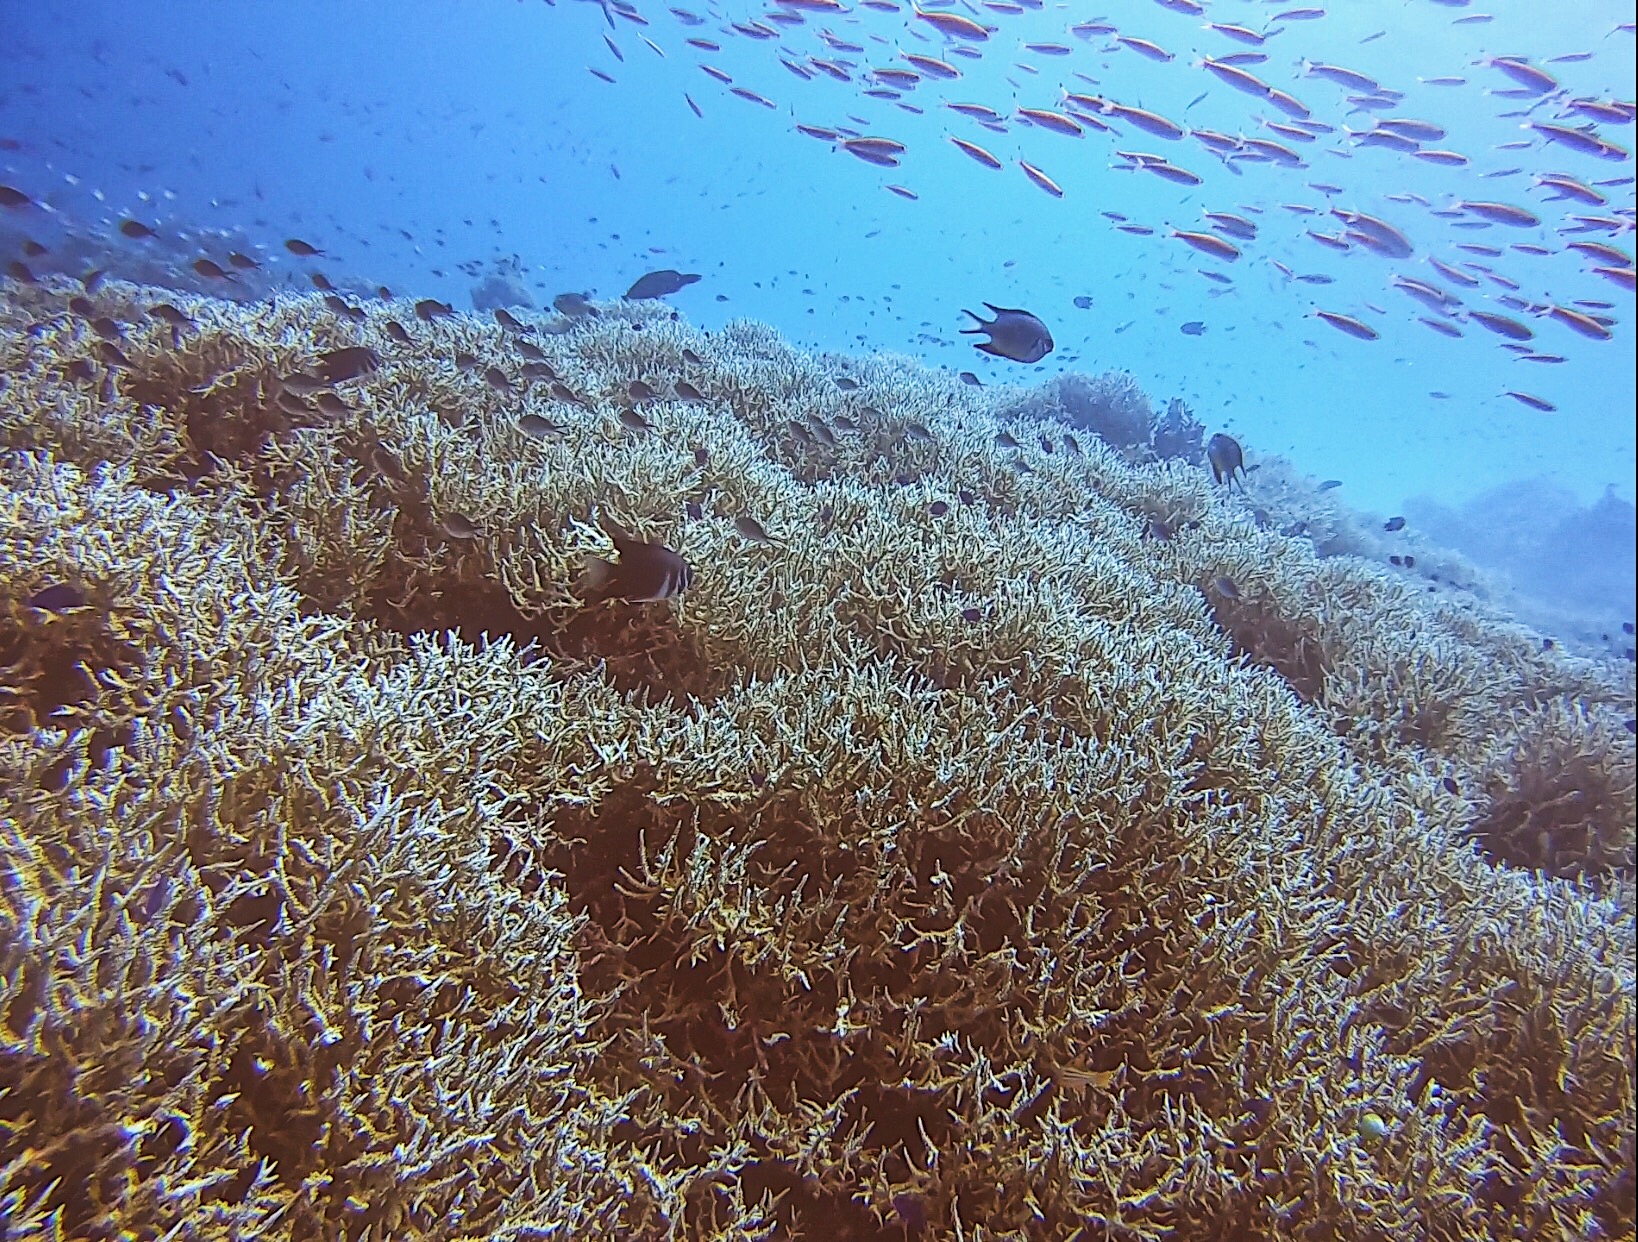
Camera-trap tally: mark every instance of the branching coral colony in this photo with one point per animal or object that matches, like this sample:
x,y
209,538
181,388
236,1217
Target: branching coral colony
x,y
1009,837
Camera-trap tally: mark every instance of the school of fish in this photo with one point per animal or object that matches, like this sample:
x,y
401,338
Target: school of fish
x,y
1465,264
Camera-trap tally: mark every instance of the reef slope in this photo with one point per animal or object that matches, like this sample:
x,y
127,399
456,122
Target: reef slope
x,y
1027,841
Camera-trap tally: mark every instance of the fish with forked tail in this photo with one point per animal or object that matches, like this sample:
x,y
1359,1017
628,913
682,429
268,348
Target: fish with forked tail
x,y
1013,334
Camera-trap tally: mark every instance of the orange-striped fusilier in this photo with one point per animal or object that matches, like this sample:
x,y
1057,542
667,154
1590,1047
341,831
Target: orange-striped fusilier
x,y
1209,243
977,152
1347,323
953,24
1041,179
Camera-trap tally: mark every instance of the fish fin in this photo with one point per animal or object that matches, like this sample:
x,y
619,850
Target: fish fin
x,y
977,318
612,529
596,577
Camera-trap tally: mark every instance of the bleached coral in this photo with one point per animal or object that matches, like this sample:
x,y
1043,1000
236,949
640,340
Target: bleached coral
x,y
964,858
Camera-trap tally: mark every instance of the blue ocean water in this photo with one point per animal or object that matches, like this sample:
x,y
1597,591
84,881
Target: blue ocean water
x,y
419,144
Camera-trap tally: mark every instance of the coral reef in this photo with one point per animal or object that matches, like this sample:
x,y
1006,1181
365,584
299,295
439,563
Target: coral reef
x,y
1020,842
67,244
502,287
1111,406
1178,433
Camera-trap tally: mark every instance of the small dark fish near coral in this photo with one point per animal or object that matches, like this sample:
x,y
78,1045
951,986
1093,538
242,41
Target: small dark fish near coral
x,y
58,598
459,526
1193,328
428,309
296,246
537,427
1394,523
1226,587
1013,334
659,284
645,573
340,365
752,529
574,305
212,270
1328,485
1226,458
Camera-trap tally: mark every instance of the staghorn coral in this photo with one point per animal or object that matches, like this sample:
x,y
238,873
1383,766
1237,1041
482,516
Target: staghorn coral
x,y
960,863
503,286
1560,797
1111,406
1178,433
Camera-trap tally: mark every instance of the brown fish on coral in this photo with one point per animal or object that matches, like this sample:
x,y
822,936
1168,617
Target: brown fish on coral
x,y
574,305
538,427
1226,458
752,529
645,573
344,364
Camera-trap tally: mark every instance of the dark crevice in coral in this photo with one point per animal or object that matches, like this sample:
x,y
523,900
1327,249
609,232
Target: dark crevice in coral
x,y
284,1100
77,1157
805,1208
1558,816
639,646
1266,638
